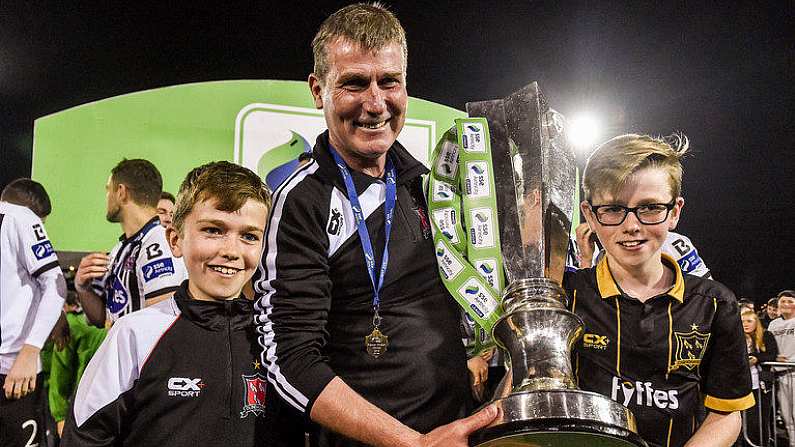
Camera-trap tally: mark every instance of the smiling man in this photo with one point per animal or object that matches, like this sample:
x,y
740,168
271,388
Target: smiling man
x,y
358,331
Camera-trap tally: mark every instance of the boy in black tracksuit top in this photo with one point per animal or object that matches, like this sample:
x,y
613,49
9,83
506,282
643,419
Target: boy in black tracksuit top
x,y
185,371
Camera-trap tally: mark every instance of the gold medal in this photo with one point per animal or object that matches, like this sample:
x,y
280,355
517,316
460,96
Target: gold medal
x,y
376,343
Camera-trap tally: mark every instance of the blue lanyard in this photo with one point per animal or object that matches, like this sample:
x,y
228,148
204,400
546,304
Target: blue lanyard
x,y
364,235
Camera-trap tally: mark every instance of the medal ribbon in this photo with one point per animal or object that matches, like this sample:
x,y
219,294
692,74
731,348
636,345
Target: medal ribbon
x,y
463,208
361,226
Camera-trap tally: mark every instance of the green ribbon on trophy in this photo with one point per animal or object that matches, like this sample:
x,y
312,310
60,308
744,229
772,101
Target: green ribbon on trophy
x,y
463,210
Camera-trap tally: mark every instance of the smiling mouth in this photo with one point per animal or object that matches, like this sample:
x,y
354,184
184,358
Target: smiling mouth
x,y
226,271
631,244
372,126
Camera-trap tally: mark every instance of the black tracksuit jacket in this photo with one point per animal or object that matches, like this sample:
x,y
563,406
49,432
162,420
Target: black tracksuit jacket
x,y
182,372
314,295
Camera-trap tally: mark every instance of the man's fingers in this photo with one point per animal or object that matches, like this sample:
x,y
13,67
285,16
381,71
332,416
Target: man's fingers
x,y
479,420
8,388
17,392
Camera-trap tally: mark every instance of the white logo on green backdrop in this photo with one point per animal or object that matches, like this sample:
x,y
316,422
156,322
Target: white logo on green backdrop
x,y
270,137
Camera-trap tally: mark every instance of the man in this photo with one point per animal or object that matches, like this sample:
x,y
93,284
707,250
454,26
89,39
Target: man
x,y
784,330
165,208
368,356
770,312
32,291
140,269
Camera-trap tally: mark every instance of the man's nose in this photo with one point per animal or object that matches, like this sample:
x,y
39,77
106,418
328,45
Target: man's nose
x,y
375,99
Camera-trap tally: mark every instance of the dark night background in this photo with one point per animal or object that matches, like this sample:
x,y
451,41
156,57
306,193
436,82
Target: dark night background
x,y
721,72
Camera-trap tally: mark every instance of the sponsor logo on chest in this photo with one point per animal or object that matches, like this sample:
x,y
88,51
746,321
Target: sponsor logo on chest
x,y
185,387
643,394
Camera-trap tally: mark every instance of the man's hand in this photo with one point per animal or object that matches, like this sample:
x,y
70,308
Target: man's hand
x,y
585,247
60,334
21,380
92,266
456,434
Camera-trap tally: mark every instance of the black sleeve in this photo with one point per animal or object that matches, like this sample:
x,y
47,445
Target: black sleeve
x,y
726,375
293,292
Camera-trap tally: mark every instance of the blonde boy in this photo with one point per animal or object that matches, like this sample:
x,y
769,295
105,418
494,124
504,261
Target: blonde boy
x,y
665,344
184,372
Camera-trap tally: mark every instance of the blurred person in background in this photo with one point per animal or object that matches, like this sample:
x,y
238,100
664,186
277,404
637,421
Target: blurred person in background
x,y
140,269
783,329
165,208
762,348
771,311
32,291
69,363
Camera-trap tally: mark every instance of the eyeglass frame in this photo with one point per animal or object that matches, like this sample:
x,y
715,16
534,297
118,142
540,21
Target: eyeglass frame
x,y
634,210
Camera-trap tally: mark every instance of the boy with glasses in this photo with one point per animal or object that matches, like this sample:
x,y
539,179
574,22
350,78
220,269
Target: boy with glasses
x,y
663,343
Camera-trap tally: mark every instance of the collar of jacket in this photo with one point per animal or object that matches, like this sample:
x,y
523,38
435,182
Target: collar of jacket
x,y
407,167
215,315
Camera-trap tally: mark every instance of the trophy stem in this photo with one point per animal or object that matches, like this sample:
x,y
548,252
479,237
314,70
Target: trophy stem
x,y
537,333
538,399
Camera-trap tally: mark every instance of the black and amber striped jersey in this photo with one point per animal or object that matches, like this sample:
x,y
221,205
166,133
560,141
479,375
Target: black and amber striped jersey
x,y
665,358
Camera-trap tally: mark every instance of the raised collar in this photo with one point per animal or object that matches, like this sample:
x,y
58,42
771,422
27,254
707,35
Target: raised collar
x,y
215,315
406,166
153,222
608,287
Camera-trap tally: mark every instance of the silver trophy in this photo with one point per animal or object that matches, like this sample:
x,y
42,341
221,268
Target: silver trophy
x,y
538,401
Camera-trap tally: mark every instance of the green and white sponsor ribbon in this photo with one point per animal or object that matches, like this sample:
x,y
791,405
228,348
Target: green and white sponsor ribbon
x,y
463,208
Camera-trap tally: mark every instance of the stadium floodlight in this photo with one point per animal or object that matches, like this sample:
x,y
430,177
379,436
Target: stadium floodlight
x,y
583,132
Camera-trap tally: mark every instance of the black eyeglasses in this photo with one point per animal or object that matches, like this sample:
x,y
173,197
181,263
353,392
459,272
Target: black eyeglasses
x,y
648,214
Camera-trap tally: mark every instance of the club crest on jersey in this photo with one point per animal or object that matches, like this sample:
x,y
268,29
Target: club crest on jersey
x,y
129,261
42,250
254,396
690,349
118,297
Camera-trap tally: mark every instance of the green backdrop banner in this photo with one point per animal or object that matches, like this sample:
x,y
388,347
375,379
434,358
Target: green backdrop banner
x,y
262,124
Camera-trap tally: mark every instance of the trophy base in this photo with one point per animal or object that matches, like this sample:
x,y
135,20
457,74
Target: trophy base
x,y
552,418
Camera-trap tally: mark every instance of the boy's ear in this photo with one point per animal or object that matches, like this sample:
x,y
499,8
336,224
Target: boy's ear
x,y
676,212
174,241
585,207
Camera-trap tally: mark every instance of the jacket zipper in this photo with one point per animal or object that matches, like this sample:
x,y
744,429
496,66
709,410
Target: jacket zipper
x,y
229,371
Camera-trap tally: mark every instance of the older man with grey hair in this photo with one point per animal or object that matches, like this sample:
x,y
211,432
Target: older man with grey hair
x,y
357,329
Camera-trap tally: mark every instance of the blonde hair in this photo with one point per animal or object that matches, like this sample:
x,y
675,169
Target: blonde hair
x,y
231,185
759,332
372,26
615,160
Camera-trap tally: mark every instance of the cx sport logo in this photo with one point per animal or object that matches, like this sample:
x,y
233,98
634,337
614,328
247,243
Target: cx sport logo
x,y
185,387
